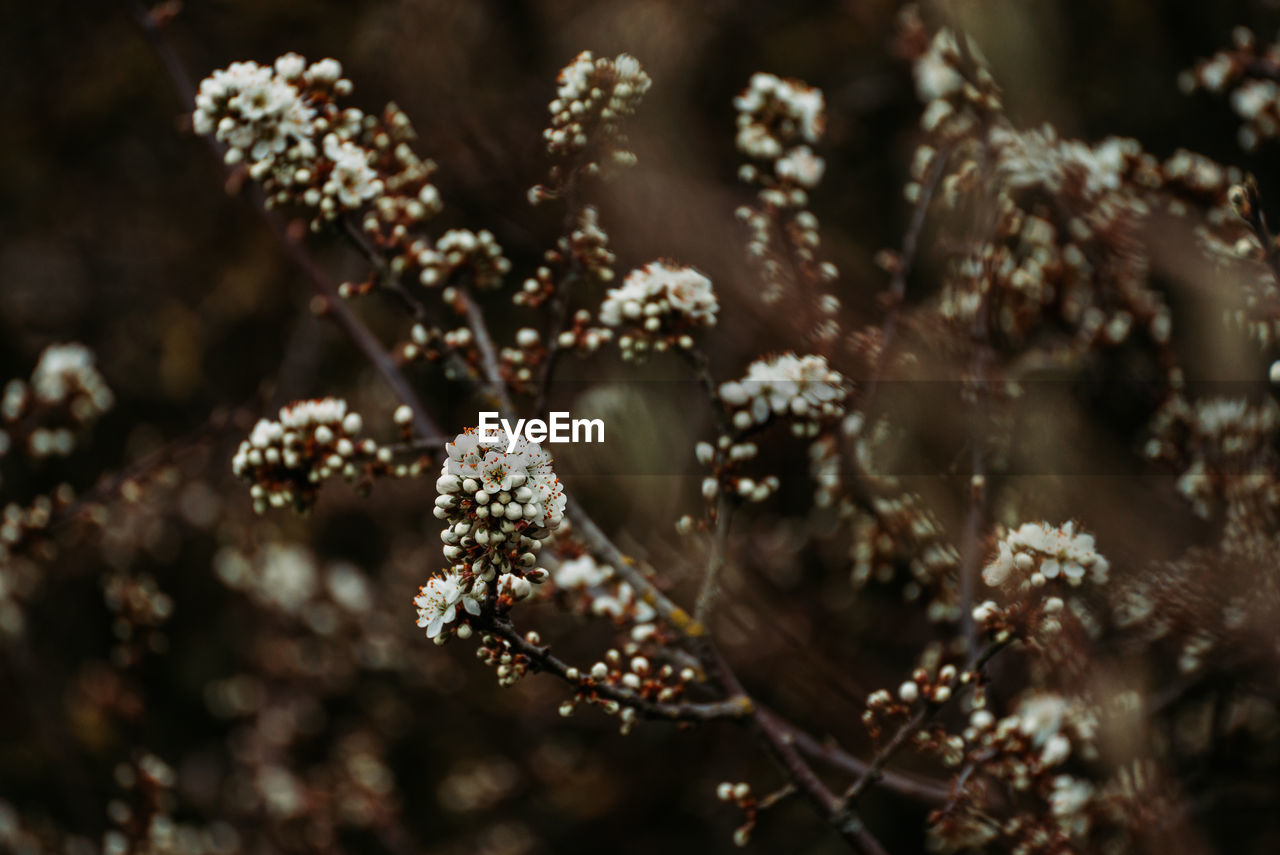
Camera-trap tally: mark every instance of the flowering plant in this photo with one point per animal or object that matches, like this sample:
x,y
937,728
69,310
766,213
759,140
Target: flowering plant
x,y
841,504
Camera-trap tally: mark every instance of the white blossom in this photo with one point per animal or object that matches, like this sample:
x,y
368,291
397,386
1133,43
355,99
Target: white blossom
x,y
438,601
804,388
592,96
285,459
774,113
661,295
1038,551
352,181
254,109
581,572
802,166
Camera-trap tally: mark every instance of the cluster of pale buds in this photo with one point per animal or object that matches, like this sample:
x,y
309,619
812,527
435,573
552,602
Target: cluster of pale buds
x,y
582,255
594,95
724,457
1045,730
629,671
1254,96
589,587
952,82
1224,448
923,687
805,391
1025,751
519,361
1038,618
739,794
582,335
286,459
778,120
18,524
508,664
66,374
475,253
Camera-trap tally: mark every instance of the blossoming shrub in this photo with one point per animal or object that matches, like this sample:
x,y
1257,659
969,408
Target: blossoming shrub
x,y
1020,666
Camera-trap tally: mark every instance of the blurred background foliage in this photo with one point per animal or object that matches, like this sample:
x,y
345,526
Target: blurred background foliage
x,y
115,231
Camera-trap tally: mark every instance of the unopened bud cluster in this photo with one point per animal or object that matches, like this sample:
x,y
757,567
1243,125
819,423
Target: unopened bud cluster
x,y
475,256
582,255
938,688
633,677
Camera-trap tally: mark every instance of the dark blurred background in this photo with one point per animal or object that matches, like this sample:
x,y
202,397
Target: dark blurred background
x,y
115,230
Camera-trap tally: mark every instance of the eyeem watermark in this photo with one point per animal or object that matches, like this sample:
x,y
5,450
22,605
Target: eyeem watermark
x,y
559,427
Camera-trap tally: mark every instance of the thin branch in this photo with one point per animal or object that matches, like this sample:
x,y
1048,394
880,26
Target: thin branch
x,y
906,261
832,755
776,735
544,660
488,354
715,562
922,716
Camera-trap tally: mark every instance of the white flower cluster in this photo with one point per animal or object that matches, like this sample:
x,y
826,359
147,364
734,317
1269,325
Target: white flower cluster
x,y
777,120
1043,718
803,389
284,123
1039,552
458,249
775,114
498,507
1039,159
66,374
285,460
663,302
594,95
258,111
65,382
